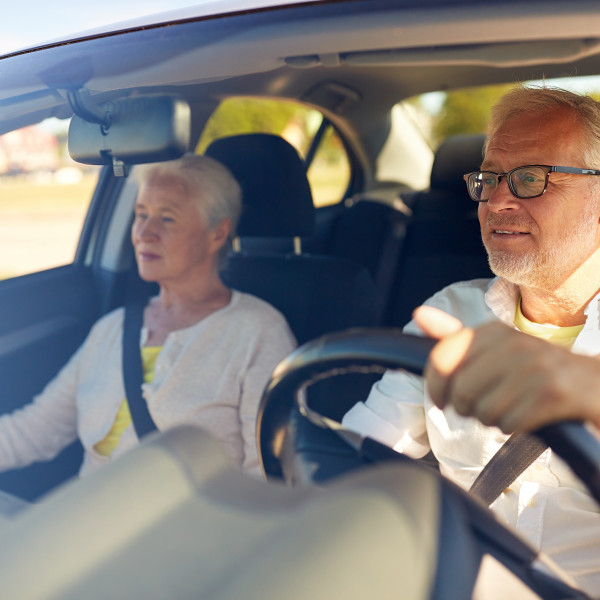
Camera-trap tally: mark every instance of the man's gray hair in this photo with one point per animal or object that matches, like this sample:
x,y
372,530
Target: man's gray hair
x,y
531,99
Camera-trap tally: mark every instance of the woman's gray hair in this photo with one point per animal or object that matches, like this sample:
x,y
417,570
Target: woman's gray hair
x,y
211,184
531,99
208,181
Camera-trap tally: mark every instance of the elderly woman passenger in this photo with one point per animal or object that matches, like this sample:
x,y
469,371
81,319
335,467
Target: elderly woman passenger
x,y
207,350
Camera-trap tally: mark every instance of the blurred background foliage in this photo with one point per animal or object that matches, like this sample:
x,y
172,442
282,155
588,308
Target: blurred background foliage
x,y
247,115
465,111
461,111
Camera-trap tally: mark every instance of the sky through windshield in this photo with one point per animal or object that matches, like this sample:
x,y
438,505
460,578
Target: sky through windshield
x,y
37,21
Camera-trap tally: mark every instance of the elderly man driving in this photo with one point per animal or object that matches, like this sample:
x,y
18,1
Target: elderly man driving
x,y
538,195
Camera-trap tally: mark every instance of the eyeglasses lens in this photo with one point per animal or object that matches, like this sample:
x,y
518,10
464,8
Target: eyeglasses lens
x,y
528,182
524,182
482,185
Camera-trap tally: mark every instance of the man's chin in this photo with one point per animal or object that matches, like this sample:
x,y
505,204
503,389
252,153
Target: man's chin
x,y
514,269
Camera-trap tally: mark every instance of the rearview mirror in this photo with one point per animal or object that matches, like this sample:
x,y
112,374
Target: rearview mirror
x,y
132,130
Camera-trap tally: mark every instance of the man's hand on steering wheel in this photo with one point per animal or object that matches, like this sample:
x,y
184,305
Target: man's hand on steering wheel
x,y
506,378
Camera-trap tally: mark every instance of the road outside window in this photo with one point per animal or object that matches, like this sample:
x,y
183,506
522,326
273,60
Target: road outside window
x,y
44,197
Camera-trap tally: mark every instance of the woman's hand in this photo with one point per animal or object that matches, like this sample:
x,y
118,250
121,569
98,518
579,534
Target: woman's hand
x,y
506,378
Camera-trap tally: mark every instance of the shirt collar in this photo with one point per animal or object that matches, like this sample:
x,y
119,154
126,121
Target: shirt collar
x,y
501,298
588,341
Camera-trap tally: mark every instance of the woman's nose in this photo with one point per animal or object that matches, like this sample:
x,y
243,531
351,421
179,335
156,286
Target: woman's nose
x,y
145,229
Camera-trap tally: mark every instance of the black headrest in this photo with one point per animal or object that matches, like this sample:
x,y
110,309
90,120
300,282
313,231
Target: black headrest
x,y
277,201
457,155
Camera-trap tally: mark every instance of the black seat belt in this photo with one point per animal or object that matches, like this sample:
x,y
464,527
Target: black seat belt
x,y
132,369
513,457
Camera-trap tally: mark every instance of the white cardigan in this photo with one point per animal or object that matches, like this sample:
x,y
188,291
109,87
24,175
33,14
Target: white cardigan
x,y
211,374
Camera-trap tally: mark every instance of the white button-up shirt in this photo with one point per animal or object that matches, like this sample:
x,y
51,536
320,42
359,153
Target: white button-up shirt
x,y
547,504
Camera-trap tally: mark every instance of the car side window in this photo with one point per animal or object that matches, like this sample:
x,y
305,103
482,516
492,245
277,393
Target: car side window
x,y
306,129
44,197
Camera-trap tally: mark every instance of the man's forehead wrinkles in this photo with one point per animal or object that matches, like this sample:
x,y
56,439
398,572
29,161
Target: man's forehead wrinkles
x,y
505,143
512,148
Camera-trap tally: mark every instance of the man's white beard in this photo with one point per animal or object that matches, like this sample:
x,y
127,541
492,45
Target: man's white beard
x,y
533,269
548,268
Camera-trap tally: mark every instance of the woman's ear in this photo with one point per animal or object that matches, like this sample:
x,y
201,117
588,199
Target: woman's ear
x,y
220,234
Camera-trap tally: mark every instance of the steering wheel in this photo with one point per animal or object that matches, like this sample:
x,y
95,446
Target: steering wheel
x,y
284,413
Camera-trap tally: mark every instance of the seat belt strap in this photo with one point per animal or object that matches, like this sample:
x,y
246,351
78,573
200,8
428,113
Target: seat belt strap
x,y
133,376
513,457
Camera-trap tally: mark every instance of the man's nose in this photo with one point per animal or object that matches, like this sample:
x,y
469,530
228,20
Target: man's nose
x,y
502,198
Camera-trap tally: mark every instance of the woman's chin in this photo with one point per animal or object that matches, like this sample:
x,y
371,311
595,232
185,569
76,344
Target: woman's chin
x,y
149,276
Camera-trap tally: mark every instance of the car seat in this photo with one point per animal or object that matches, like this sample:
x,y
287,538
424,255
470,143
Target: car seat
x,y
416,242
371,230
442,243
316,293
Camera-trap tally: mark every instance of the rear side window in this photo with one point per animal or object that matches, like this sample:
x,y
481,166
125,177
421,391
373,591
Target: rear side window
x,y
329,169
44,197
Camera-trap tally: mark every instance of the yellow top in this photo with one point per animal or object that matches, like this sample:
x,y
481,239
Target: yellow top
x,y
562,336
123,418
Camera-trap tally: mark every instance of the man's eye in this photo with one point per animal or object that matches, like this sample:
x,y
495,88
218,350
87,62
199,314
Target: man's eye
x,y
489,181
168,220
530,179
141,216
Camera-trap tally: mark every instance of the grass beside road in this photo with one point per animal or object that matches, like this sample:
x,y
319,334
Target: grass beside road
x,y
40,222
30,194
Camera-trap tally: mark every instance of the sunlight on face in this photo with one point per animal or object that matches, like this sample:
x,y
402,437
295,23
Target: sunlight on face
x,y
545,266
540,242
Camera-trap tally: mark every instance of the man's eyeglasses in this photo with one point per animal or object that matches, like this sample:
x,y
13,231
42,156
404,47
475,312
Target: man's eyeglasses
x,y
525,182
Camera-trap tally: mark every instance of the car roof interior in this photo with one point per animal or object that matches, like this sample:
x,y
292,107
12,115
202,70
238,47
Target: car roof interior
x,y
383,64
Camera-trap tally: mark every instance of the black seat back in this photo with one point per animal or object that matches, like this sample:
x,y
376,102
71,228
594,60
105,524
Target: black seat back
x,y
317,294
277,204
443,239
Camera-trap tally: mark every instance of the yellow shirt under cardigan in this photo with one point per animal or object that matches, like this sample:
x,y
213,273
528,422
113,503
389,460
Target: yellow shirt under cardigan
x,y
123,418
